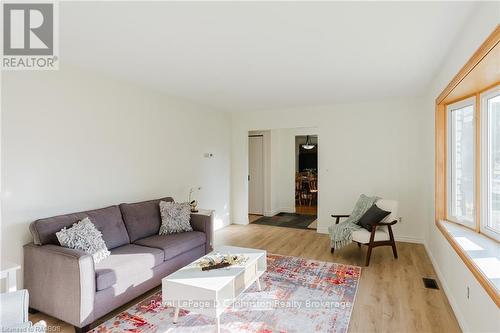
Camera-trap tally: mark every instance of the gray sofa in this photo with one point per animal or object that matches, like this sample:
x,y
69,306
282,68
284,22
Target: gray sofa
x,y
66,284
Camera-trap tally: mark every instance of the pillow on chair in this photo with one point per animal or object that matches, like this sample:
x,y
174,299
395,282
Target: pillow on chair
x,y
373,215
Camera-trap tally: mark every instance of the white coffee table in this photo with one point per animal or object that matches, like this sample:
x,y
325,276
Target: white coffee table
x,y
8,271
211,292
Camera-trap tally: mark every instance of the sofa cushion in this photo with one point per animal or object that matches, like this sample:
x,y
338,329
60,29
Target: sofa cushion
x,y
142,218
107,220
124,262
174,244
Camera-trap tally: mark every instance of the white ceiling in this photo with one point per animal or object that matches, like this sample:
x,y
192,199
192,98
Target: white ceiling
x,y
244,56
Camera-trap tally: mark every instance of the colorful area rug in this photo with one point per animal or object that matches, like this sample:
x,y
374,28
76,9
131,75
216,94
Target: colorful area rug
x,y
288,220
298,295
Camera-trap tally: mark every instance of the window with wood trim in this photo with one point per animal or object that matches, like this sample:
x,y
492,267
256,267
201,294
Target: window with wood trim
x,y
490,160
461,171
467,162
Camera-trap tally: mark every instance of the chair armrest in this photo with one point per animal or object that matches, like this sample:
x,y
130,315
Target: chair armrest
x,y
337,220
203,222
381,224
14,308
61,282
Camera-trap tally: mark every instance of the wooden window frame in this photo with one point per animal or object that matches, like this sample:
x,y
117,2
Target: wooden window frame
x,y
452,107
483,227
441,152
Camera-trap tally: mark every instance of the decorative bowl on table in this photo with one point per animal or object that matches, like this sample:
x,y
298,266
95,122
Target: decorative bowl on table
x,y
218,260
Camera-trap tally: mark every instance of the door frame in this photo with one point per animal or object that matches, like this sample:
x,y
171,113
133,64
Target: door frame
x,y
263,174
269,211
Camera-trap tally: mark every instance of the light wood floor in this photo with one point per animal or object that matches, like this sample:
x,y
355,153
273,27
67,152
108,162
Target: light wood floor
x,y
391,296
252,218
309,210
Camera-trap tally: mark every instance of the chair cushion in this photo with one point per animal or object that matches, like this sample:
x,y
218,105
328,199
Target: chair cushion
x,y
107,220
174,244
142,219
363,235
125,262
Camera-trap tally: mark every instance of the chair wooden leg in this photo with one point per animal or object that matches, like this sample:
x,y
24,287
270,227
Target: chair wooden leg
x,y
368,255
331,250
359,244
394,251
370,245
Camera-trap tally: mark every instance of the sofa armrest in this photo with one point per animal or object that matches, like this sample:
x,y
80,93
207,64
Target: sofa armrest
x,y
203,221
61,282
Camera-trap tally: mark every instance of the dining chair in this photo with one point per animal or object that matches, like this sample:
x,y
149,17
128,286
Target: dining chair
x,y
313,190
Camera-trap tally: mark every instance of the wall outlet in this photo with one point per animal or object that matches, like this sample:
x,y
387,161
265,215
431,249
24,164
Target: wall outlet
x,y
400,219
468,292
208,155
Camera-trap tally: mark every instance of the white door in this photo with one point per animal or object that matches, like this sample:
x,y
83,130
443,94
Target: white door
x,y
256,175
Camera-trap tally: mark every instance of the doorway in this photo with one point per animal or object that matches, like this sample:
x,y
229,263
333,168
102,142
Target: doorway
x,y
306,174
283,177
256,174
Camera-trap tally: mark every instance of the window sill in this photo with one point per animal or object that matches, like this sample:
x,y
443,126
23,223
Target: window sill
x,y
479,253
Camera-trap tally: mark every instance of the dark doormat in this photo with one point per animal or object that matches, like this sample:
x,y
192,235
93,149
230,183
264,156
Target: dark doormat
x,y
288,220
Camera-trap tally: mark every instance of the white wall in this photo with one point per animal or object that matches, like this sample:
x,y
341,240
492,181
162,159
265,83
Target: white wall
x,y
479,313
74,141
367,147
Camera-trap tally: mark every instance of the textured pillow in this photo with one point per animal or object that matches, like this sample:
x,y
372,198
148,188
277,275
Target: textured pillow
x,y
84,236
175,217
373,215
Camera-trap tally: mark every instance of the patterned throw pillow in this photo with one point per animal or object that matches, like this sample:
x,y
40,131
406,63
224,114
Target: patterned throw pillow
x,y
83,235
175,217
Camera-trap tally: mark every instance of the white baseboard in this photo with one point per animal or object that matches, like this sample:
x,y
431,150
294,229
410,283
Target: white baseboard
x,y
272,212
447,292
242,221
287,210
407,239
322,230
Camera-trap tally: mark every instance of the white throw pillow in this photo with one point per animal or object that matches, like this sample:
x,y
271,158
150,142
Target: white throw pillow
x,y
83,235
175,217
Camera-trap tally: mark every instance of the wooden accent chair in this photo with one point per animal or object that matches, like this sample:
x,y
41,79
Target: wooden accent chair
x,y
381,234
